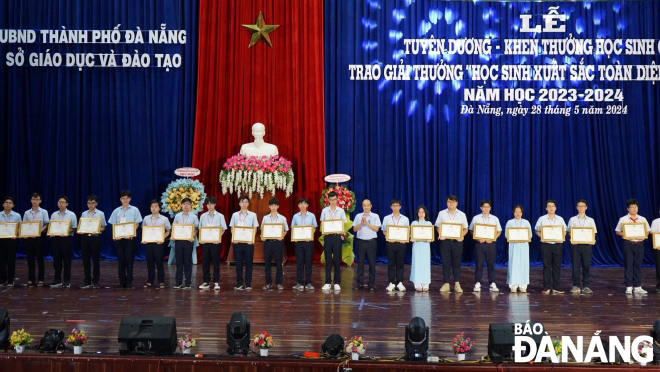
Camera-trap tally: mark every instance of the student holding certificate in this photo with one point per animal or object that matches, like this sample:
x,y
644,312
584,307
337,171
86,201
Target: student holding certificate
x,y
396,251
211,250
184,248
552,250
366,225
63,245
581,251
451,249
633,248
34,247
155,251
332,243
304,250
8,245
420,268
486,248
517,276
274,246
90,244
655,228
243,252
125,247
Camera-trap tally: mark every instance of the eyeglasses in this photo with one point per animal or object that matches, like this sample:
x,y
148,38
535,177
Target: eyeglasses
x,y
63,202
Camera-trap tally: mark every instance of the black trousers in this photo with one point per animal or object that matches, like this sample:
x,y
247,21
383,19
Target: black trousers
x,y
34,247
183,254
451,253
396,255
633,255
485,251
125,258
210,252
155,253
332,252
90,246
244,254
366,248
274,248
304,255
552,254
62,255
581,253
7,260
656,253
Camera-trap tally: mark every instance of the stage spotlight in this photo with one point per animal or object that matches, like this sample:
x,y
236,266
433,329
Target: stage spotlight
x,y
417,340
655,333
53,340
238,335
5,331
333,345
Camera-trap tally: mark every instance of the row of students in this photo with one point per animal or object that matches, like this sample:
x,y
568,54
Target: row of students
x,y
365,226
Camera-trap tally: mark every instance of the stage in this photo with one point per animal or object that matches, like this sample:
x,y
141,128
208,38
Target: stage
x,y
301,321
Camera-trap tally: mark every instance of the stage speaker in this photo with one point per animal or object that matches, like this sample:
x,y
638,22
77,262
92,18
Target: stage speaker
x,y
333,345
501,340
655,333
5,331
52,342
147,335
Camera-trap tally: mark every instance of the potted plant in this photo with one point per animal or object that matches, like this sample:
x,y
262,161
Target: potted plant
x,y
19,339
263,341
462,345
186,343
640,350
77,338
356,346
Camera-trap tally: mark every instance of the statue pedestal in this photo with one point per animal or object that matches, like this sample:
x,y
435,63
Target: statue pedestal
x,y
260,207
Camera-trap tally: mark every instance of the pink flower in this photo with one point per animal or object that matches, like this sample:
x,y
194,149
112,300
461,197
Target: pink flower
x,y
242,167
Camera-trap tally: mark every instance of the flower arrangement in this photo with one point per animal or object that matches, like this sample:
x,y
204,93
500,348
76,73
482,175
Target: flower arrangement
x,y
462,345
263,340
187,342
556,344
180,189
20,338
643,345
345,198
77,337
248,174
355,344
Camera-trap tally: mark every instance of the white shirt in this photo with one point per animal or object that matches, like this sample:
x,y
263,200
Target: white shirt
x,y
547,221
457,217
587,221
627,218
490,220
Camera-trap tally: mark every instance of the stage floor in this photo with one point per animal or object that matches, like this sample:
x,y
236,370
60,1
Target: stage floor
x,y
301,321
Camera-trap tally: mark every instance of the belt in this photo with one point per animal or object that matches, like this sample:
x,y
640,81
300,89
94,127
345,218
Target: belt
x,y
366,240
636,242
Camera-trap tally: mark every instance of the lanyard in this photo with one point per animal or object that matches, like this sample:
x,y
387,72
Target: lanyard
x,y
333,215
209,219
152,220
241,221
34,215
273,220
396,222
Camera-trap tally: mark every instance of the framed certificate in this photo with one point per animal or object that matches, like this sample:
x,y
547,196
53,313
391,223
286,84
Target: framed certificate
x,y
59,228
210,234
272,231
422,233
124,230
634,230
30,229
243,234
183,231
8,230
484,232
89,226
518,235
656,240
303,233
583,235
153,234
397,234
553,233
451,230
332,227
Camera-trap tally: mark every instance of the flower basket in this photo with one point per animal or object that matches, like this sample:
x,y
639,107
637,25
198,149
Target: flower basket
x,y
263,341
461,345
77,338
640,350
180,189
355,346
19,339
186,343
248,174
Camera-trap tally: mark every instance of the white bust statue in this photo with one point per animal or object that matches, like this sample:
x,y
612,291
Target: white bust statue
x,y
258,147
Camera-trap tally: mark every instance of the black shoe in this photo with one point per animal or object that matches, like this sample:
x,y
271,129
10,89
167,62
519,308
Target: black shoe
x,y
178,286
248,287
55,285
66,285
238,287
11,284
120,286
372,288
360,287
187,286
96,286
85,286
3,284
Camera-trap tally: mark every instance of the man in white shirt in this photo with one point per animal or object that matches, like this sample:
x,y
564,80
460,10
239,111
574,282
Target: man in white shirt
x,y
396,251
451,250
581,253
366,225
655,228
332,243
633,249
244,252
486,249
552,250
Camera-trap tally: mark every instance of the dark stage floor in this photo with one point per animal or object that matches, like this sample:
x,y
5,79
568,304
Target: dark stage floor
x,y
300,321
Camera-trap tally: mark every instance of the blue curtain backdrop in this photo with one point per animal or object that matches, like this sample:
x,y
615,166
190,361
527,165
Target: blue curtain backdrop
x,y
408,139
99,130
